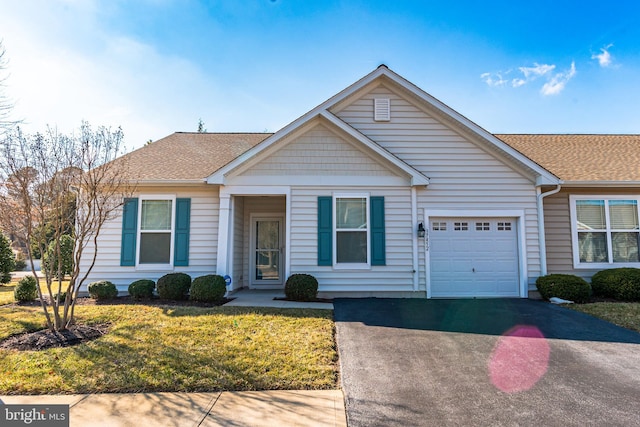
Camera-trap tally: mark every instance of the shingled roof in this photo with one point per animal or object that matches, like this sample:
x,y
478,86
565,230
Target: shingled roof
x,y
192,157
605,158
187,156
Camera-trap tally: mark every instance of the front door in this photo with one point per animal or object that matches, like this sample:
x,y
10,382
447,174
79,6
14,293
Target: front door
x,y
266,251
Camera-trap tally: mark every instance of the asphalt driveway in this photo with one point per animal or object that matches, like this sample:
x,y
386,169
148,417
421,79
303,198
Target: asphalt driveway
x,y
484,362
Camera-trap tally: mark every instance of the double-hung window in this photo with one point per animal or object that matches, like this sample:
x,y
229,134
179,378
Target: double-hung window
x,y
606,231
351,230
156,230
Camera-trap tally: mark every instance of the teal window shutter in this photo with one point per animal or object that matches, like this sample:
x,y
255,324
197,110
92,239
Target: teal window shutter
x,y
325,230
129,232
181,238
378,250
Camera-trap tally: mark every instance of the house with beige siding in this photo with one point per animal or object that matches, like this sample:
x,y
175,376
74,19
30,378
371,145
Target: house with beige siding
x,y
382,190
591,218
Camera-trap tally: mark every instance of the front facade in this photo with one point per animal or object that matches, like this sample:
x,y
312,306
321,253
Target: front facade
x,y
380,191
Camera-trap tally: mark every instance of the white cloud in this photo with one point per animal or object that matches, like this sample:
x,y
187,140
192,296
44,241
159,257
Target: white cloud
x,y
604,57
530,73
493,79
107,79
554,82
558,81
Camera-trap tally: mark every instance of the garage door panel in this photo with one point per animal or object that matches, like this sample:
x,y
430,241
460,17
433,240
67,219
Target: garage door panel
x,y
474,257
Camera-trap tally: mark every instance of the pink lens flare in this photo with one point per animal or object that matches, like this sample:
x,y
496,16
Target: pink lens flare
x,y
519,359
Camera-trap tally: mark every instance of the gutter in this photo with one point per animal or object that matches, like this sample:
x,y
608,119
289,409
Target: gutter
x,y
602,183
542,240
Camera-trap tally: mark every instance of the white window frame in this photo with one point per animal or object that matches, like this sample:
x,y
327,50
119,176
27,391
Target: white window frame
x,y
351,266
145,197
574,232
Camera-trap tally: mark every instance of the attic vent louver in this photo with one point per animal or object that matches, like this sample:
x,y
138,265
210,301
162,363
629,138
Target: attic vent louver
x,y
381,109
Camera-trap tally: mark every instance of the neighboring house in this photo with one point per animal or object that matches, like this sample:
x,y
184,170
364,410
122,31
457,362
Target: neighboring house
x,y
592,222
380,190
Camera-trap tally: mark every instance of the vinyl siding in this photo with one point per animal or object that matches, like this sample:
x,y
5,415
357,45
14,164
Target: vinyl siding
x,y
202,247
557,220
396,275
462,175
318,152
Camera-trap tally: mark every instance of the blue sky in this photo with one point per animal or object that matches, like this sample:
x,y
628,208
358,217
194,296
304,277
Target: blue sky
x,y
158,66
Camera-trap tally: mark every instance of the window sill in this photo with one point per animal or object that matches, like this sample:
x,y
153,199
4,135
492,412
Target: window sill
x,y
154,267
351,267
604,266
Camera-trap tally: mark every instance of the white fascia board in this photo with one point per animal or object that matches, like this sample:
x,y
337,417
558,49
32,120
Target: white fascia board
x,y
544,180
150,182
601,184
416,177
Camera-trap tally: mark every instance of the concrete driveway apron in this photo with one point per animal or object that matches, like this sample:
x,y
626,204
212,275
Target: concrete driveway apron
x,y
484,362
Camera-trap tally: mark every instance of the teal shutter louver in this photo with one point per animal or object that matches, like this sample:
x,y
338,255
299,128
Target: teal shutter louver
x,y
182,229
325,230
378,243
129,232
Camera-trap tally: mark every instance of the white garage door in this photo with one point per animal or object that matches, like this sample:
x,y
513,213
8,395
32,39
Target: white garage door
x,y
473,257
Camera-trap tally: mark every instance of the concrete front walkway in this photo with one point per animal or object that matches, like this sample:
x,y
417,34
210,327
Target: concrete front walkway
x,y
265,298
250,408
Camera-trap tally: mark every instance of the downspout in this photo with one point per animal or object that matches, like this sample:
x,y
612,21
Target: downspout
x,y
414,221
542,240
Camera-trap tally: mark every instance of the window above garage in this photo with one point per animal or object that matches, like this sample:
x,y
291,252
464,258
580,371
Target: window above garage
x,y
605,231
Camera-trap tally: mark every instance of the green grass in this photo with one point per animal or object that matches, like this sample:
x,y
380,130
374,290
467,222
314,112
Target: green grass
x,y
6,293
176,349
625,314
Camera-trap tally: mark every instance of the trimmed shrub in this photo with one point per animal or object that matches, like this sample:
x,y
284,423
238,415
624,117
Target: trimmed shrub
x,y
618,283
26,289
301,287
63,296
102,290
7,259
565,286
174,286
142,288
21,262
209,288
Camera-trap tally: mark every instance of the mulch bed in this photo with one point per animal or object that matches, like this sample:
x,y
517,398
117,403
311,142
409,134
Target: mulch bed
x,y
41,340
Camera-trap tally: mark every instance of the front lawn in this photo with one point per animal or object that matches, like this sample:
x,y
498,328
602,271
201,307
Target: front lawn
x,y
625,314
151,348
6,293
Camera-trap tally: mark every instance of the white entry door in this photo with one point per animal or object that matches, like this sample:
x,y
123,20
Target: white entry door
x,y
266,251
474,257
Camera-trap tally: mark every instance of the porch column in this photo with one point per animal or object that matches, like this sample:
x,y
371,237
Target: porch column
x,y
223,235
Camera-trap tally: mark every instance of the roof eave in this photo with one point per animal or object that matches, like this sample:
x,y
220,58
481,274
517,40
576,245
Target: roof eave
x,y
599,183
152,182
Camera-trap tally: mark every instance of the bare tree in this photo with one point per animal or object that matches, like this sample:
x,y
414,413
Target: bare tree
x,y
5,104
57,185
